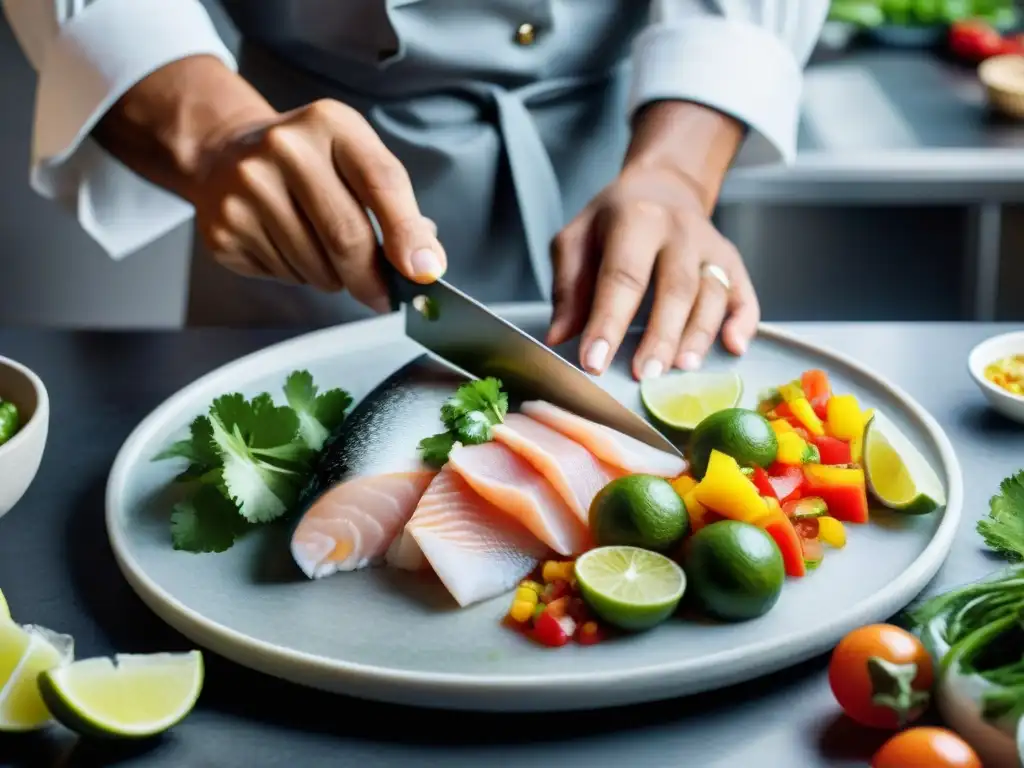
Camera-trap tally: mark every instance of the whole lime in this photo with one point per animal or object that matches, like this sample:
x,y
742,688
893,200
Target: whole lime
x,y
738,432
639,511
735,570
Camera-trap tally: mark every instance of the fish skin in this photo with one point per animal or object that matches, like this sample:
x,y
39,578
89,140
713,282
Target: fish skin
x,y
379,437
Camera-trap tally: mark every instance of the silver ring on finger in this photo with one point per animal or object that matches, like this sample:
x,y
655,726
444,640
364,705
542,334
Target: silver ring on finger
x,y
716,273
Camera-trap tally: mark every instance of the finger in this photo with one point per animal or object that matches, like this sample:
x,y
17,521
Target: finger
x,y
381,183
289,229
703,325
744,314
228,251
241,219
629,251
573,285
676,282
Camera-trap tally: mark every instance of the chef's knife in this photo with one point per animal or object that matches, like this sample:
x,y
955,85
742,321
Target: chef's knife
x,y
463,332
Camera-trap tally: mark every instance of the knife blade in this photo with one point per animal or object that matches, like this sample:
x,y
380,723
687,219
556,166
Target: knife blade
x,y
461,331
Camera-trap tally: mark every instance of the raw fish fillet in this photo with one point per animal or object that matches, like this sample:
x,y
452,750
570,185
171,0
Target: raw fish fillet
x,y
571,469
508,482
353,524
476,550
369,476
607,444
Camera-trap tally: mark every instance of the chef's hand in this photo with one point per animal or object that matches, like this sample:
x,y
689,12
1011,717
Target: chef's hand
x,y
651,223
287,200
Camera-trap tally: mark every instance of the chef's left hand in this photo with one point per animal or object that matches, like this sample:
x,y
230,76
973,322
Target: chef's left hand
x,y
649,223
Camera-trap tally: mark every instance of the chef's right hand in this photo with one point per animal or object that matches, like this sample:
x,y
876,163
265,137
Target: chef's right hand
x,y
288,201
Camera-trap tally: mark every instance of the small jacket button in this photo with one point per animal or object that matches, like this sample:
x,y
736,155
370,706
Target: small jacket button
x,y
526,34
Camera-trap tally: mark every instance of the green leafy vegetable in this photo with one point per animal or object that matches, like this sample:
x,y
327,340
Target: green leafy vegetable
x,y
468,416
249,459
1003,529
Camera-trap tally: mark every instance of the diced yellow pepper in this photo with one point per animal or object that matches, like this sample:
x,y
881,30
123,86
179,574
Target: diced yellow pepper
x,y
844,417
857,449
792,391
802,409
521,611
694,509
527,595
554,570
831,532
791,448
730,493
833,476
684,484
779,426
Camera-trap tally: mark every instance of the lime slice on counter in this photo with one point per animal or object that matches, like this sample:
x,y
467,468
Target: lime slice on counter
x,y
682,400
896,472
25,652
632,588
5,611
129,696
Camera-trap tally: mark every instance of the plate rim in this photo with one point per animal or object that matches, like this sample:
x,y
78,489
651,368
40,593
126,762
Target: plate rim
x,y
485,691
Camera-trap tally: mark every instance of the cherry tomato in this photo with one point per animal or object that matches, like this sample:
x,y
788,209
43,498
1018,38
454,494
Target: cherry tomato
x,y
881,676
926,748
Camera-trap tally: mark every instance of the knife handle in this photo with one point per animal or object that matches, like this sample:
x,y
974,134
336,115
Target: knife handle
x,y
400,289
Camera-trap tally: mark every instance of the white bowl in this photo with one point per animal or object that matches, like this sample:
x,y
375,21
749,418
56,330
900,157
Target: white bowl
x,y
20,456
987,352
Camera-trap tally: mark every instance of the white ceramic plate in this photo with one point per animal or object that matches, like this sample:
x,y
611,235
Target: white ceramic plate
x,y
396,637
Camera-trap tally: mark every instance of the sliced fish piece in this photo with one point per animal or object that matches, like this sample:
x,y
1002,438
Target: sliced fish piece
x,y
404,553
507,481
353,524
571,469
605,443
369,477
476,550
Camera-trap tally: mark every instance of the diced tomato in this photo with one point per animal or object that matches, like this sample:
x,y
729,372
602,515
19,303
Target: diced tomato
x,y
786,481
558,608
842,488
590,633
821,409
781,529
763,483
578,610
831,450
815,385
813,552
806,527
549,631
783,411
556,590
974,40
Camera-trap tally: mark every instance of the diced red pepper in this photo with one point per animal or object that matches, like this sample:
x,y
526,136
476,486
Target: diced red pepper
x,y
832,450
763,483
783,411
781,529
787,481
821,409
842,488
549,631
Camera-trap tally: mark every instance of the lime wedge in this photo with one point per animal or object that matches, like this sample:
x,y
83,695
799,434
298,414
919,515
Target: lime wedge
x,y
681,400
129,696
629,587
896,472
5,611
25,652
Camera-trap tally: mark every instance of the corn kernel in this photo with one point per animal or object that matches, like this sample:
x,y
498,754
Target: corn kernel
x,y
526,595
521,611
831,532
554,570
531,584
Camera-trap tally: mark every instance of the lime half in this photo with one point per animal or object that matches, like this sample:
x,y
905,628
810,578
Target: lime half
x,y
681,400
129,696
896,472
5,611
25,652
632,588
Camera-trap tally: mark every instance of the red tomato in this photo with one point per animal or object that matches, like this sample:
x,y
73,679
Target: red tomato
x,y
903,671
763,483
548,630
786,481
815,385
781,529
974,40
832,450
926,748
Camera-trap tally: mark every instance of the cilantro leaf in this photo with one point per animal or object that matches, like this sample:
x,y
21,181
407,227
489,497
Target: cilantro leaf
x,y
262,490
199,449
207,522
435,449
1003,529
319,414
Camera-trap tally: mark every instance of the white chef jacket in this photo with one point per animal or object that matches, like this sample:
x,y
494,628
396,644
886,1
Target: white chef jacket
x,y
506,135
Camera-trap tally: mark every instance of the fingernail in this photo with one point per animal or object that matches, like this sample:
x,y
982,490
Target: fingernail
x,y
740,345
426,264
652,369
690,361
597,355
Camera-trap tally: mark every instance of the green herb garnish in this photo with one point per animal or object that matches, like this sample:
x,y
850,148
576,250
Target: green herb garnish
x,y
468,416
1003,529
248,461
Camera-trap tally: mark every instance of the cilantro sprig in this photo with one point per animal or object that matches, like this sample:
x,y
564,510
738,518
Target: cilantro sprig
x,y
248,460
468,416
1003,528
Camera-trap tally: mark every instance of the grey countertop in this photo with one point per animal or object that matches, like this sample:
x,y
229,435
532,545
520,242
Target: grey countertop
x,y
58,571
891,126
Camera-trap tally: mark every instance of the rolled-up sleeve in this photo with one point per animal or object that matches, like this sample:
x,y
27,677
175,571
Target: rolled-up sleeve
x,y
87,55
744,58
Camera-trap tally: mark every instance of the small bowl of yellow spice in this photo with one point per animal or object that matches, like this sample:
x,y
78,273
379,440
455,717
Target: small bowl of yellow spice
x,y
997,367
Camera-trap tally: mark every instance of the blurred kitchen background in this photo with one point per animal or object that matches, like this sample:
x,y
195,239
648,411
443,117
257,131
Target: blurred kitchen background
x,y
907,201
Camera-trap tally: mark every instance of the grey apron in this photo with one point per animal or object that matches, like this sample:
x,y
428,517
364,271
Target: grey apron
x,y
508,114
